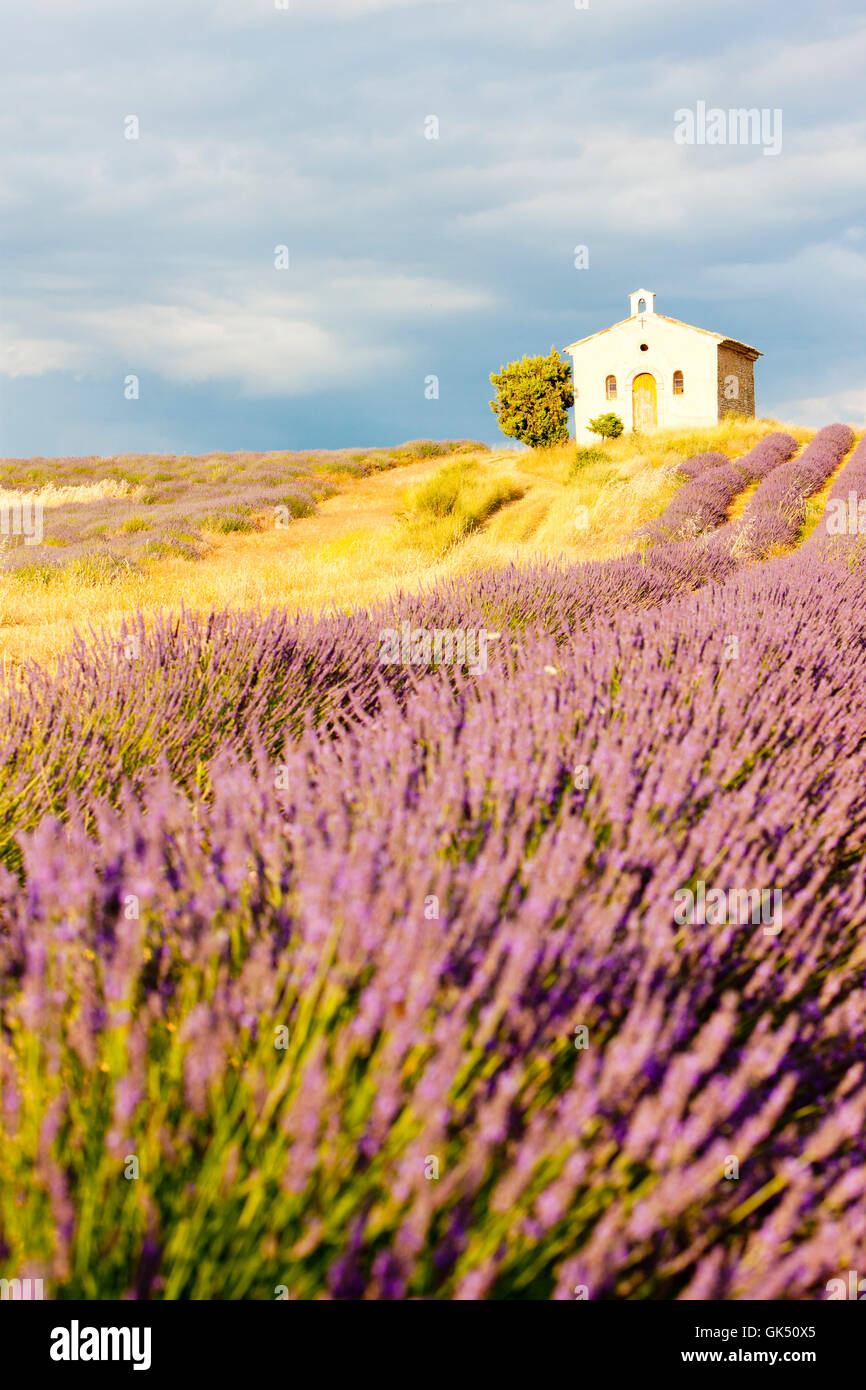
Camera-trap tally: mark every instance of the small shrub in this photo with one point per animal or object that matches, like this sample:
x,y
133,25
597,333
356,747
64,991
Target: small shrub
x,y
241,517
90,569
609,426
297,504
427,449
127,475
37,575
456,501
440,448
439,495
380,463
584,457
105,568
134,523
169,547
224,523
349,466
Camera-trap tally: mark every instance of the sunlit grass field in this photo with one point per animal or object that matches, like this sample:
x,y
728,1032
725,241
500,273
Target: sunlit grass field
x,y
205,533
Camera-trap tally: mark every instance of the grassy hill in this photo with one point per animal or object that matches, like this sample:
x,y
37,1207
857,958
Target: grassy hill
x,y
309,530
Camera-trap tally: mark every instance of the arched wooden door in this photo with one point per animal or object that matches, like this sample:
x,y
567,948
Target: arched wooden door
x,y
645,402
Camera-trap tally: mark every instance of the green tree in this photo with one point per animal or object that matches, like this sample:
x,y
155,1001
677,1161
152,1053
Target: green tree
x,y
532,398
609,426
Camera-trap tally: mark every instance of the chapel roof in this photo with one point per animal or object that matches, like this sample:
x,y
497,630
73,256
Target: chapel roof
x,y
720,338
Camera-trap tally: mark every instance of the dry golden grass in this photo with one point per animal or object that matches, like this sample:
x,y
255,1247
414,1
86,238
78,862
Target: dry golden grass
x,y
741,501
356,549
60,495
593,512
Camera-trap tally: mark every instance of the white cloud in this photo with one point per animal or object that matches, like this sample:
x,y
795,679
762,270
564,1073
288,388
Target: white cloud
x,y
810,271
246,341
847,405
274,342
836,60
642,184
24,356
399,295
212,339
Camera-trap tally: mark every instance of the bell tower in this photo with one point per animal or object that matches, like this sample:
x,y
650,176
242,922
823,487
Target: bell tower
x,y
642,302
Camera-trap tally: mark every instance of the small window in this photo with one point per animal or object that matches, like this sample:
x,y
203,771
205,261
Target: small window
x,y
644,347
679,384
611,388
641,306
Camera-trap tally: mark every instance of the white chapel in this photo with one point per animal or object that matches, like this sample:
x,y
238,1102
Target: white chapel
x,y
657,372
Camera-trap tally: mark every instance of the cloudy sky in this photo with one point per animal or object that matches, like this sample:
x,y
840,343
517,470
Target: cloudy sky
x,y
304,124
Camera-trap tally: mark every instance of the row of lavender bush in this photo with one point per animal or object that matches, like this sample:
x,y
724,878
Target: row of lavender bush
x,y
703,503
774,515
842,525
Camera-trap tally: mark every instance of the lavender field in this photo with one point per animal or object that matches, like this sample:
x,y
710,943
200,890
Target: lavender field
x,y
149,506
535,977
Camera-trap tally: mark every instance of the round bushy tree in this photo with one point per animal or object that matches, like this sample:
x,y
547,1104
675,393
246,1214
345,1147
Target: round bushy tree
x,y
609,426
532,398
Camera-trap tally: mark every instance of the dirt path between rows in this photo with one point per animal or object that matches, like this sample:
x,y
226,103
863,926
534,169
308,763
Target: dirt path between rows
x,y
369,504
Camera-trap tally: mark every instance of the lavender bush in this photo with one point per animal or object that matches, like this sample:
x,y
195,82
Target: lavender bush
x,y
701,463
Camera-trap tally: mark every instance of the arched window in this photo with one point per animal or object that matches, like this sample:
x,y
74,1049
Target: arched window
x,y
611,388
641,306
679,384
